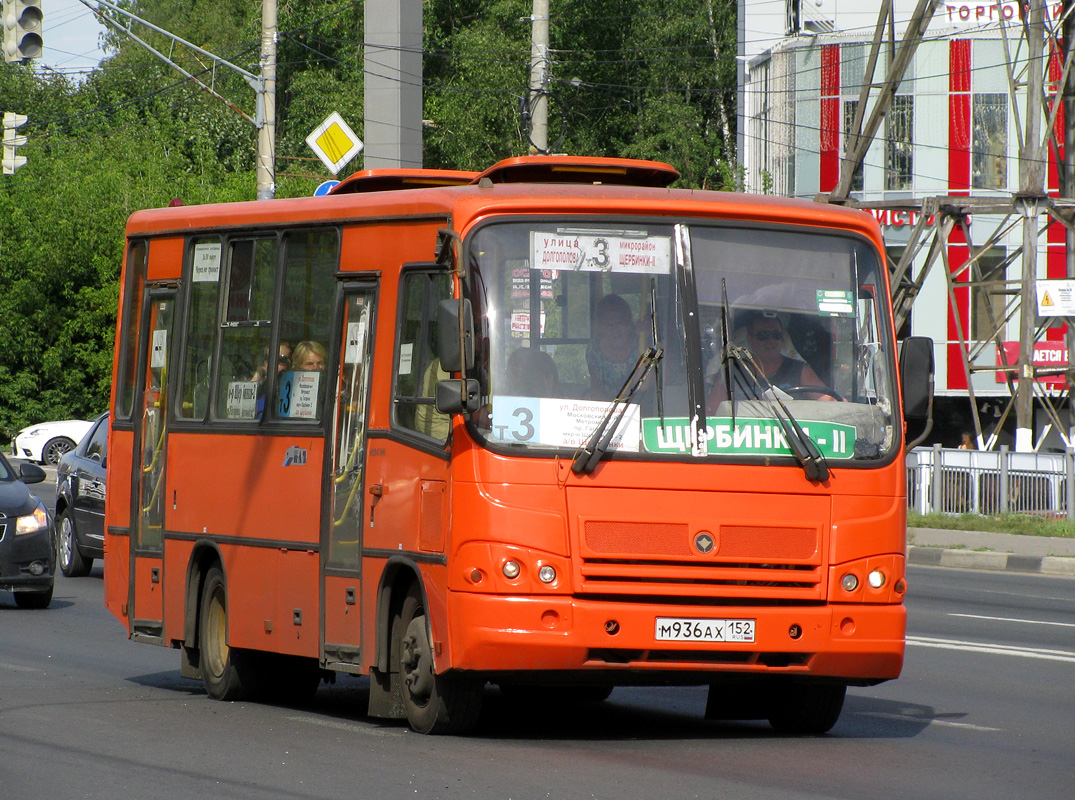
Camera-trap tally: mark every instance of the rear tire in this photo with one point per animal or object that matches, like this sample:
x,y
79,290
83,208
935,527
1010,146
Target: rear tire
x,y
73,564
807,708
434,703
227,673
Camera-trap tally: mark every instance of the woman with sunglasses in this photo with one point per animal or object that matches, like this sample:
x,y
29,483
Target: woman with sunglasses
x,y
765,340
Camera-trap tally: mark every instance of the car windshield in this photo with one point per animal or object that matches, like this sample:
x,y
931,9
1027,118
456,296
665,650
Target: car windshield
x,y
7,474
566,313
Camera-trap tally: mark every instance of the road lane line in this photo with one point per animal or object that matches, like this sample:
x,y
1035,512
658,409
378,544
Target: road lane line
x,y
350,727
928,721
1015,619
1066,656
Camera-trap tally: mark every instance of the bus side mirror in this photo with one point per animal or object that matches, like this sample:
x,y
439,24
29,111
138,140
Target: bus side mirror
x,y
457,396
448,322
916,377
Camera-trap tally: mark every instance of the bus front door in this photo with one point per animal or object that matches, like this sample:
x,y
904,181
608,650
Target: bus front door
x,y
341,545
147,490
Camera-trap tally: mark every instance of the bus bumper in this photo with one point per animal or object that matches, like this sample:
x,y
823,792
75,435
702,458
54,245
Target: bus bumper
x,y
497,634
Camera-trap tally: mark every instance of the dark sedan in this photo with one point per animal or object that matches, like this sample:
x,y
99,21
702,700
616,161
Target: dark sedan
x,y
80,501
27,538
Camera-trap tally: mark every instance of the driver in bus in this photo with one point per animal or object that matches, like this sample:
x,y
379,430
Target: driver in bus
x,y
614,349
765,339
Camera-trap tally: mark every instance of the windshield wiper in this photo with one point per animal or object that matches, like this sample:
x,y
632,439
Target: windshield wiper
x,y
601,439
802,446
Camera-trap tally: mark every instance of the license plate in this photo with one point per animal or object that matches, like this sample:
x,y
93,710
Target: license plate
x,y
685,629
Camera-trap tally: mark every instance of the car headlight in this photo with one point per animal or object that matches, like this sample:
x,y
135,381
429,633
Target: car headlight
x,y
37,520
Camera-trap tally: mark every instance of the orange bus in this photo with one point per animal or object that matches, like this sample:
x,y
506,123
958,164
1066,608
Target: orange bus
x,y
555,427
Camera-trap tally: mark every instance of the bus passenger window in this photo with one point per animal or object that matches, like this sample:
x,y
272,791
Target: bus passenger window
x,y
246,328
204,282
311,259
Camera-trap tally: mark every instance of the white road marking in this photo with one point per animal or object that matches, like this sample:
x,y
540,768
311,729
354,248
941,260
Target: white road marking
x,y
350,727
930,721
1015,619
1067,656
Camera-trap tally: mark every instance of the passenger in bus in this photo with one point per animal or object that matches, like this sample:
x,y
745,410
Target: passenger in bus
x,y
283,362
309,356
614,349
765,340
532,373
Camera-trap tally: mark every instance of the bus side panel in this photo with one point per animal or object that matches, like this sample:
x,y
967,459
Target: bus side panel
x,y
867,526
165,259
117,558
266,490
223,485
177,554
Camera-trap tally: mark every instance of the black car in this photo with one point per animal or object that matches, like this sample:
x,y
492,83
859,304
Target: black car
x,y
80,501
27,538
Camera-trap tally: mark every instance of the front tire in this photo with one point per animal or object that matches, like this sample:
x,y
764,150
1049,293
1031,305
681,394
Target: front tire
x,y
807,708
434,703
34,600
55,449
72,562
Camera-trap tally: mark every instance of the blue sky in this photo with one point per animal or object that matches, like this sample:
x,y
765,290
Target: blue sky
x,y
71,36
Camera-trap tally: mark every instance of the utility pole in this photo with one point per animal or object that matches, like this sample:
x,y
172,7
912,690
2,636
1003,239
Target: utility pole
x,y
392,84
539,78
1029,200
266,125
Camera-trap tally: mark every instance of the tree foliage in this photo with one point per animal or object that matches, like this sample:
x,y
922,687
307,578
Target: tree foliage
x,y
632,78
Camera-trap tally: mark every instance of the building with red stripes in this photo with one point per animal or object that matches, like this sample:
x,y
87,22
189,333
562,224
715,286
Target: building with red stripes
x,y
952,129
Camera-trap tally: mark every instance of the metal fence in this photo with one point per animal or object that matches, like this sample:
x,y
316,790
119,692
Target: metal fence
x,y
990,482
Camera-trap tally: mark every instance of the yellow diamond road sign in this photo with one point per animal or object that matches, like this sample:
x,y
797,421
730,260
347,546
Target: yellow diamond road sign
x,y
334,142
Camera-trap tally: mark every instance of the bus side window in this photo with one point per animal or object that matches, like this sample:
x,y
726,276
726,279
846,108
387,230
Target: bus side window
x,y
246,328
204,283
418,369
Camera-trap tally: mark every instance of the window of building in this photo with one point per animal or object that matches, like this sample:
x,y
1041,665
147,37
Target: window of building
x,y
850,106
989,141
989,294
899,144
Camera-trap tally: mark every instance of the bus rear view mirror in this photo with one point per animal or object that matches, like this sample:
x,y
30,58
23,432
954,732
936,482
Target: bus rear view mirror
x,y
916,374
448,344
458,396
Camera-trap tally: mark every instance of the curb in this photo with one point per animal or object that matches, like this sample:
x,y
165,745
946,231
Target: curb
x,y
989,560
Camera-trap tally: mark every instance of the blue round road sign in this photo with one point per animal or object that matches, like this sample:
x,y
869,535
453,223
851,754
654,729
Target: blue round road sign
x,y
325,188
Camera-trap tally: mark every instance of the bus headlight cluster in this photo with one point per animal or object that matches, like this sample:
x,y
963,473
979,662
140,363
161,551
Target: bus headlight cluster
x,y
547,574
876,579
511,570
850,582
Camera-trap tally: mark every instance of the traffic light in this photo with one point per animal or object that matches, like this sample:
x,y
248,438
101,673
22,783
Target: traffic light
x,y
11,142
22,29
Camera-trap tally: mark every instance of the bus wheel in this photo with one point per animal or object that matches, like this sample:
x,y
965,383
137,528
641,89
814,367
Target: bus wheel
x,y
434,703
221,665
807,708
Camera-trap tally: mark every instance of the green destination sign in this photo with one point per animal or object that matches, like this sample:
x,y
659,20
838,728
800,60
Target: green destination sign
x,y
749,436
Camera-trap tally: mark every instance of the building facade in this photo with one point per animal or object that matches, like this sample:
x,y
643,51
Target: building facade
x,y
952,129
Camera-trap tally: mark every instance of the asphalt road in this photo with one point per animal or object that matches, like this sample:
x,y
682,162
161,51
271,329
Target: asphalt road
x,y
985,709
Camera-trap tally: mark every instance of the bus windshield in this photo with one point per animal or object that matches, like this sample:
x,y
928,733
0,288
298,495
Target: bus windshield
x,y
569,313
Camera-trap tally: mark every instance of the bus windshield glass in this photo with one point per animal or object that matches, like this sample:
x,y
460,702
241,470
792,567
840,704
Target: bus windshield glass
x,y
569,314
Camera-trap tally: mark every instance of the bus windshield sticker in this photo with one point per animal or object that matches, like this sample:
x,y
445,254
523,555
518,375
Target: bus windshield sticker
x,y
242,400
749,436
206,267
555,422
600,252
406,353
298,393
835,303
158,359
356,342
